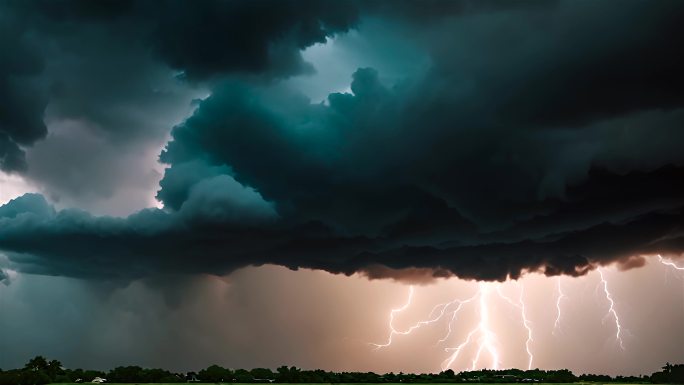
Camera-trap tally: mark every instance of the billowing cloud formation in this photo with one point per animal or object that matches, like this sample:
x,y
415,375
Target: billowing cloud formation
x,y
210,38
4,277
99,63
108,67
22,103
540,138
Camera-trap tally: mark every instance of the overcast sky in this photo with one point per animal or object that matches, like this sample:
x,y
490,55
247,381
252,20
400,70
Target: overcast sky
x,y
260,183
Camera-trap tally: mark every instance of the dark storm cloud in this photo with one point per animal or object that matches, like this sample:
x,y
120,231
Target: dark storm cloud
x,y
540,139
22,103
104,56
113,74
208,38
217,37
582,62
153,242
256,36
428,11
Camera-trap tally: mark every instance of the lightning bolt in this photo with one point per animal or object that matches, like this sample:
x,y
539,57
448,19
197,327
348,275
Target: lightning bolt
x,y
440,308
611,310
457,350
559,298
669,263
483,339
526,322
528,326
454,315
393,312
487,340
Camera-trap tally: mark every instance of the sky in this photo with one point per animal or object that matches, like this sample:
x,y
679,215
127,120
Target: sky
x,y
259,183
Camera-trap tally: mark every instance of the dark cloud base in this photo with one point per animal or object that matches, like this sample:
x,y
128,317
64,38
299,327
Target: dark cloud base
x,y
39,240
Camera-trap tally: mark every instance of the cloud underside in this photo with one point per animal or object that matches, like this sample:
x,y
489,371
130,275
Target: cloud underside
x,y
218,237
541,138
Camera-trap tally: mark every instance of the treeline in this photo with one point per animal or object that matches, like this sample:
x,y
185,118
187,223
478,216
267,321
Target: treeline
x,y
39,371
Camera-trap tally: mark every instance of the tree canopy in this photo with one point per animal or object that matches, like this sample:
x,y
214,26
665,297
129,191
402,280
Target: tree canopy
x,y
40,371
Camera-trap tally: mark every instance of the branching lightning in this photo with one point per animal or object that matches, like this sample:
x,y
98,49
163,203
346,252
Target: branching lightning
x,y
454,315
482,335
487,340
482,340
611,310
528,326
394,331
526,322
559,298
669,263
457,350
441,310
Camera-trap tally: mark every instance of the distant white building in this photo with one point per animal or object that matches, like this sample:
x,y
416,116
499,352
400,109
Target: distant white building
x,y
98,380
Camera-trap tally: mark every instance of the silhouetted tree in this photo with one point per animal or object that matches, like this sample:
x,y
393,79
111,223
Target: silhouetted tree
x,y
262,374
36,364
671,374
40,371
215,373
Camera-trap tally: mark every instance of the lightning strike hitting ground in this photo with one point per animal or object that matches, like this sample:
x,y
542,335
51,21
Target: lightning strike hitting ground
x,y
482,335
611,310
669,263
526,322
487,340
561,295
446,364
528,326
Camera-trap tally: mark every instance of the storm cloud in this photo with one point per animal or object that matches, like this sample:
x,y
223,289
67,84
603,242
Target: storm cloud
x,y
23,105
4,277
539,138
